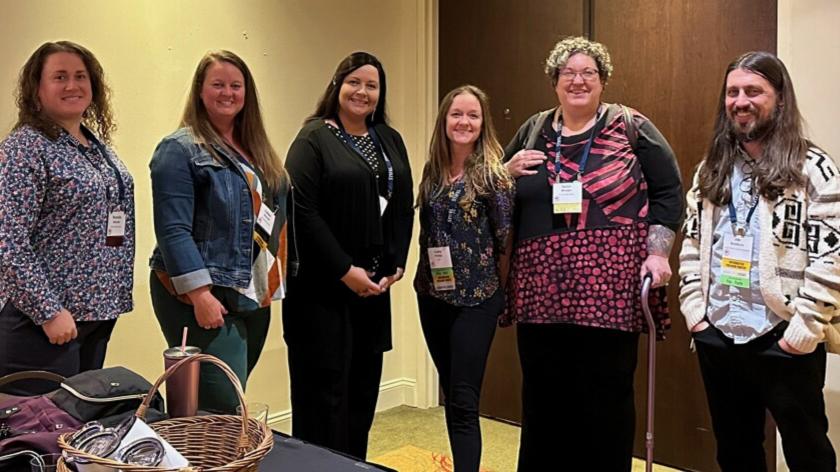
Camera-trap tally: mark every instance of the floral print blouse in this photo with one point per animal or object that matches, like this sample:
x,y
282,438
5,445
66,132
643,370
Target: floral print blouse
x,y
476,235
55,197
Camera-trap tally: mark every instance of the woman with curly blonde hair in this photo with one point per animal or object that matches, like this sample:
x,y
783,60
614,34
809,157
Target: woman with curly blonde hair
x,y
466,204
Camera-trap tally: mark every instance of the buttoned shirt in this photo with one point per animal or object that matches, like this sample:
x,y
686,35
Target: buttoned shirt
x,y
55,198
740,313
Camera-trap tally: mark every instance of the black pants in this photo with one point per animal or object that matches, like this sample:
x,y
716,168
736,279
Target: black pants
x,y
743,381
577,397
459,340
335,365
25,346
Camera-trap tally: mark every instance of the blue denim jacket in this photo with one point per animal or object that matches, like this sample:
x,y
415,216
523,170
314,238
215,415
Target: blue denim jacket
x,y
203,214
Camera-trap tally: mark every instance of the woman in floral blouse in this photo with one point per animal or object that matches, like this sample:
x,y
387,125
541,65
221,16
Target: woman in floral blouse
x,y
66,220
465,203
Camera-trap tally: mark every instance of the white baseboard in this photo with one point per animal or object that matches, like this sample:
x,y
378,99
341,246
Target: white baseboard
x,y
393,393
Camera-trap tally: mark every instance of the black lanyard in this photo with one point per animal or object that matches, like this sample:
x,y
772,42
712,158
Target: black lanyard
x,y
99,146
586,149
454,194
347,139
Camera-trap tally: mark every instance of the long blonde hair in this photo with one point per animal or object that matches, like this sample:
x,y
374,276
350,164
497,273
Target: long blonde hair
x,y
483,170
248,128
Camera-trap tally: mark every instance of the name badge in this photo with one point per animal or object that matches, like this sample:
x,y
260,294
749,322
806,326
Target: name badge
x,y
736,262
265,219
443,275
383,204
567,197
115,233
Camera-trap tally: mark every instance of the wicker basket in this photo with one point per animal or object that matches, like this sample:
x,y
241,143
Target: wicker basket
x,y
213,443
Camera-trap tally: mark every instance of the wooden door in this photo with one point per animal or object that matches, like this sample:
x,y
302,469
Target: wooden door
x,y
669,58
501,46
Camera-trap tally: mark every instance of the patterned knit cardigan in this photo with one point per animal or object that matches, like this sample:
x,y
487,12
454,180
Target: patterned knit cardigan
x,y
799,256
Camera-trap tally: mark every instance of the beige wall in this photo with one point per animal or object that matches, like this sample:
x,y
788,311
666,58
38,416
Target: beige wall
x,y
149,50
809,44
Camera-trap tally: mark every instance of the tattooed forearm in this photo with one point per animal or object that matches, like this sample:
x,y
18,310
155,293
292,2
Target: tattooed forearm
x,y
659,240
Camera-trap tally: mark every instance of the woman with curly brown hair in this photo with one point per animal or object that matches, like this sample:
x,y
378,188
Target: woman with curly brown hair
x,y
66,219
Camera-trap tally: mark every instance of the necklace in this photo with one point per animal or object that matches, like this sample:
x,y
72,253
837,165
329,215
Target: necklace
x,y
456,177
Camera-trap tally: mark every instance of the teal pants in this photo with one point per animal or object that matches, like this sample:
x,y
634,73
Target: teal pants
x,y
238,343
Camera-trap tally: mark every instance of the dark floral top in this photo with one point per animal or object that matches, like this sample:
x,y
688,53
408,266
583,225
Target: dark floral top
x,y
476,235
55,197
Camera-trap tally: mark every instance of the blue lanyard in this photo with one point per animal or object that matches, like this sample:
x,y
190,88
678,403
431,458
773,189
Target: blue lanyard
x,y
372,133
120,184
586,149
733,216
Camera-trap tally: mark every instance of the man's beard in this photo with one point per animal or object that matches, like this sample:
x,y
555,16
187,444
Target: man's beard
x,y
757,130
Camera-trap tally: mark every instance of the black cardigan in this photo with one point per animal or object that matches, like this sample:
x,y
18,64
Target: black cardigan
x,y
336,204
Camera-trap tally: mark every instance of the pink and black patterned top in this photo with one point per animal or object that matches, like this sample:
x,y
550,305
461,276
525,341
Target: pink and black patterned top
x,y
584,268
54,202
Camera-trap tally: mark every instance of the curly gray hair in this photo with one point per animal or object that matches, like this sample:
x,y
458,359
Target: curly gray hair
x,y
570,46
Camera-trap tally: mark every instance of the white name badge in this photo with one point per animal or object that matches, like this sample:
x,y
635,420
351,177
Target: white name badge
x,y
737,260
443,275
567,197
383,204
265,219
115,234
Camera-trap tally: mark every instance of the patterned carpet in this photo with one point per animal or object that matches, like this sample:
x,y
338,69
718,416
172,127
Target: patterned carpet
x,y
415,459
414,440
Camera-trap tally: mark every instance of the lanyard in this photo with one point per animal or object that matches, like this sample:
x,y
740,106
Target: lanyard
x,y
586,149
733,216
378,145
455,191
120,184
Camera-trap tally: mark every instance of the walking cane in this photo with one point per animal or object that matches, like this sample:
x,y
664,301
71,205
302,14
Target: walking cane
x,y
651,361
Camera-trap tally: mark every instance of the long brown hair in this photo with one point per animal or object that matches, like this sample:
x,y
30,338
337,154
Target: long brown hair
x,y
785,145
248,128
98,116
483,170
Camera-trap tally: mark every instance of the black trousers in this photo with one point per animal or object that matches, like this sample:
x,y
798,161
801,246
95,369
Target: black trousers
x,y
459,341
743,381
25,346
577,397
335,366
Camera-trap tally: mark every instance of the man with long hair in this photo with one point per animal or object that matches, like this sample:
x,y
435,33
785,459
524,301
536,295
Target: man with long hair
x,y
759,268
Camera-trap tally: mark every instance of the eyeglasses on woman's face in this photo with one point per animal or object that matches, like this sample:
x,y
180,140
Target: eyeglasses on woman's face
x,y
588,75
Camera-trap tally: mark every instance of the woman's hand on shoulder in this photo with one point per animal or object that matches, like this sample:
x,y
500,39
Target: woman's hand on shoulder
x,y
209,311
521,162
61,328
391,279
358,280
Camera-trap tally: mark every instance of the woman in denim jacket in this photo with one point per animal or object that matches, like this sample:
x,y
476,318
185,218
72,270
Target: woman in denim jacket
x,y
219,193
